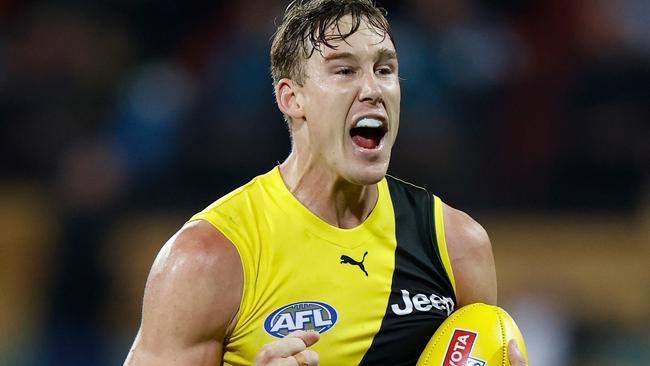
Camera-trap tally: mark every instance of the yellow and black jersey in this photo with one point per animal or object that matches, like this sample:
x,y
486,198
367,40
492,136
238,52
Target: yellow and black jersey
x,y
376,292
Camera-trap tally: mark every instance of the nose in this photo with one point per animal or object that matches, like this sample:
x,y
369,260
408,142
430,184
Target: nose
x,y
370,89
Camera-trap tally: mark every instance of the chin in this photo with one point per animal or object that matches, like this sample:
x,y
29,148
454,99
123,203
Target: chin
x,y
368,175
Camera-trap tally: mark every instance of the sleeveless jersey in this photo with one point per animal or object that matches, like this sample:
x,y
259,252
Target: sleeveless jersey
x,y
376,292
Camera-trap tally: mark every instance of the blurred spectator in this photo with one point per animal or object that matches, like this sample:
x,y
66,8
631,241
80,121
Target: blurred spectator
x,y
604,145
147,119
60,71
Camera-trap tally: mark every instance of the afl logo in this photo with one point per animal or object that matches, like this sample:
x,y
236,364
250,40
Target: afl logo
x,y
306,315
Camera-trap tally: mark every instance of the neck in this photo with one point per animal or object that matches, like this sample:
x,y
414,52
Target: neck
x,y
330,197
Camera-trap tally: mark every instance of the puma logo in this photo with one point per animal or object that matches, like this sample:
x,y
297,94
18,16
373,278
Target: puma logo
x,y
348,260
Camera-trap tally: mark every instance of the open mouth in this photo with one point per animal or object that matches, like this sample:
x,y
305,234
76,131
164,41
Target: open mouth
x,y
367,133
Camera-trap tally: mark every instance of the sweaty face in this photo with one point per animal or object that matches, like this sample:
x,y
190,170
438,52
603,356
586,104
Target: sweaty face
x,y
351,101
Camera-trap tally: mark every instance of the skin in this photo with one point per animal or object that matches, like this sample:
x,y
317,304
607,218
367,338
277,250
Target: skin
x,y
326,171
195,285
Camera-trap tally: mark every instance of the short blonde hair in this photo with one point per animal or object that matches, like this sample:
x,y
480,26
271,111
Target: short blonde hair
x,y
304,29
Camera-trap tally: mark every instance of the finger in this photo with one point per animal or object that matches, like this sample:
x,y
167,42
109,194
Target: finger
x,y
515,355
308,337
300,359
306,358
284,347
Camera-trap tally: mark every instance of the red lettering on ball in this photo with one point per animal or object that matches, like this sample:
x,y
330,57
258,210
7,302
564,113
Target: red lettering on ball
x,y
460,347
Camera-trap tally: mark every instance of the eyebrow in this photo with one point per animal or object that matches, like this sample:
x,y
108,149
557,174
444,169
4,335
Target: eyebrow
x,y
382,54
386,54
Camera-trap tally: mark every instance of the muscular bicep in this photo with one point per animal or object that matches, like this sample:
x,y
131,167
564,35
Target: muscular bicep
x,y
472,262
190,301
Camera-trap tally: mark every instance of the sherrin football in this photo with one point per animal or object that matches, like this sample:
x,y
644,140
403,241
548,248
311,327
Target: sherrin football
x,y
474,335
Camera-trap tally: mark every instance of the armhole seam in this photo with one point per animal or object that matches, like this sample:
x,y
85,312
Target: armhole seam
x,y
442,242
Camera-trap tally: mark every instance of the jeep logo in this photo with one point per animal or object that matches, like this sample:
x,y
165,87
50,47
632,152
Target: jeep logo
x,y
421,302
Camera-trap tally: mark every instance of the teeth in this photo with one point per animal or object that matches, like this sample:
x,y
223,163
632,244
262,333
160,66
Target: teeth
x,y
368,122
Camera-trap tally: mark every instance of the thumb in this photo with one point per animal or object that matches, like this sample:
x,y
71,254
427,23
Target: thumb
x,y
515,355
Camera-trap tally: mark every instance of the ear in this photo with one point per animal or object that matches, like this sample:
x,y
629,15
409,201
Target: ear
x,y
286,96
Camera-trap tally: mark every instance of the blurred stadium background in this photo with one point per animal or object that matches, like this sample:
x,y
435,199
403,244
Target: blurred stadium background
x,y
119,119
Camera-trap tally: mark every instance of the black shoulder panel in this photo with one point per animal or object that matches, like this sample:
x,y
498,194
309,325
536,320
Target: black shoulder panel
x,y
421,293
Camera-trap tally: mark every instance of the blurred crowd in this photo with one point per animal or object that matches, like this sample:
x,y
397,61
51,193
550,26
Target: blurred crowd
x,y
119,119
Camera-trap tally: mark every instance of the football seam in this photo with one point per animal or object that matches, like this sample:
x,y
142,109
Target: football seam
x,y
504,347
435,342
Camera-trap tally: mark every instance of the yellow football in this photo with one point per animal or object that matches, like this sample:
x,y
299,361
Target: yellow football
x,y
474,335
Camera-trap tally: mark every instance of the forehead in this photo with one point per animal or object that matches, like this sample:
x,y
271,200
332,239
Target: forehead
x,y
366,40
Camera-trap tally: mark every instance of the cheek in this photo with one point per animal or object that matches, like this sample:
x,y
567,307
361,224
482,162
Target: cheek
x,y
330,102
393,89
392,98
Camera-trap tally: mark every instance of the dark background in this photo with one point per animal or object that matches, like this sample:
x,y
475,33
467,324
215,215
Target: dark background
x,y
119,119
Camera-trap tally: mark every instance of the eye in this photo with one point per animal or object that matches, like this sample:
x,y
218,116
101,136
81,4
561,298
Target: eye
x,y
384,70
344,71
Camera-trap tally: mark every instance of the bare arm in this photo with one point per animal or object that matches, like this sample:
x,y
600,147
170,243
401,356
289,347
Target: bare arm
x,y
472,262
191,300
